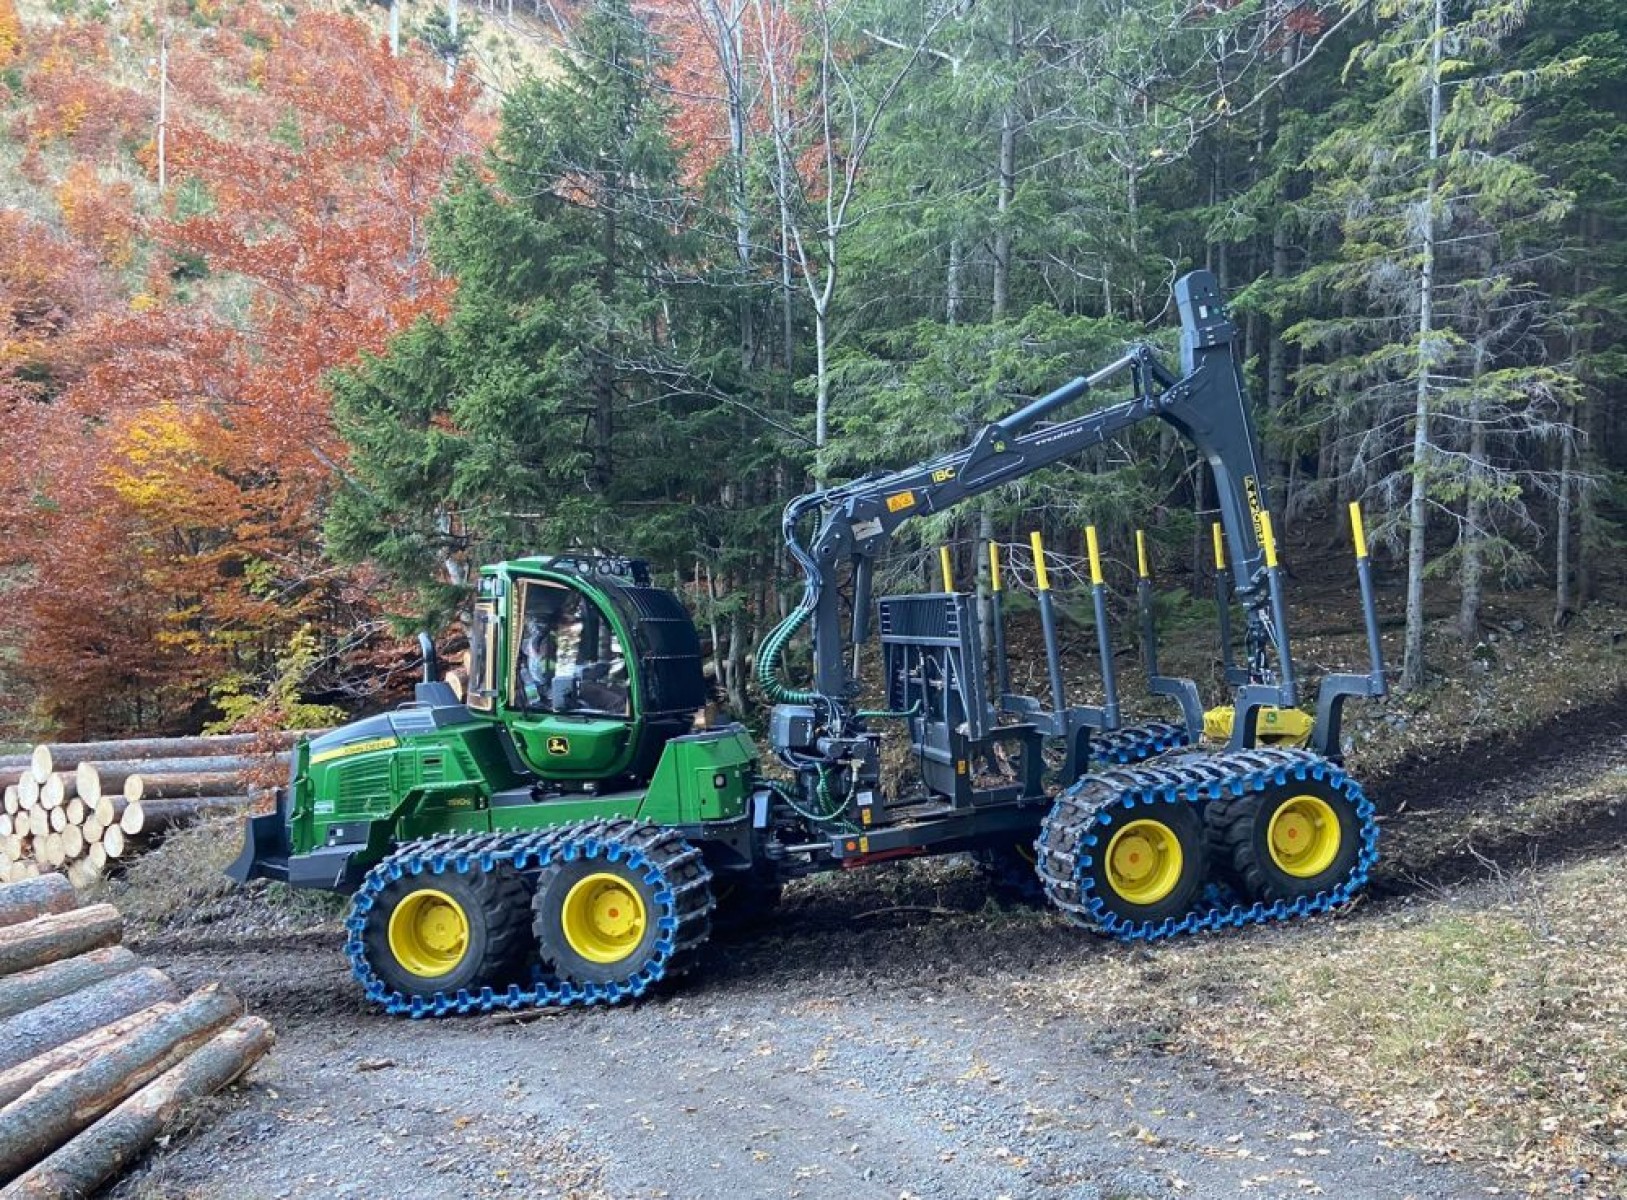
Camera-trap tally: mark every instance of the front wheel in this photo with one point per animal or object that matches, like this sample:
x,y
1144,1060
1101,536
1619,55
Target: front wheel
x,y
429,933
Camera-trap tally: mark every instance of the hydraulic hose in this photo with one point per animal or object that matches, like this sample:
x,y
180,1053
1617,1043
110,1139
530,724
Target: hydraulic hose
x,y
768,655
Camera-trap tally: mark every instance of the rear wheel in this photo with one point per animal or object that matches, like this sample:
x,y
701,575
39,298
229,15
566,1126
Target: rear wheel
x,y
1298,839
629,908
445,932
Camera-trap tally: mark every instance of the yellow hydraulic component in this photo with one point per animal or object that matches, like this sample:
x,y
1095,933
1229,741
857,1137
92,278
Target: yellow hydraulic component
x,y
1220,546
429,933
1304,836
1268,539
1044,580
994,566
1141,555
1272,727
1144,861
603,918
1095,555
1358,532
948,574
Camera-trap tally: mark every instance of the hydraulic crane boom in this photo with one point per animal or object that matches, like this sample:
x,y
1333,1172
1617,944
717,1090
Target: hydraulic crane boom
x,y
1206,403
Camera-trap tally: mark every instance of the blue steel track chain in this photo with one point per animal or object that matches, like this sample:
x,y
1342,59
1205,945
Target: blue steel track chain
x,y
1077,828
671,866
1137,743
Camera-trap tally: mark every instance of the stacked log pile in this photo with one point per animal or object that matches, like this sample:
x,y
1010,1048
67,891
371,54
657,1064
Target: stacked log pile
x,y
97,1052
74,807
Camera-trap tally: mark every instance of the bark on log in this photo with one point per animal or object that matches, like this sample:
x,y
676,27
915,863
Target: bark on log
x,y
30,989
33,898
78,1169
14,1081
114,773
60,1105
57,936
198,783
61,1020
67,755
162,815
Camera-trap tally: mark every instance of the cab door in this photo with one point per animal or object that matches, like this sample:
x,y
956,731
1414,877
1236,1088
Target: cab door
x,y
569,684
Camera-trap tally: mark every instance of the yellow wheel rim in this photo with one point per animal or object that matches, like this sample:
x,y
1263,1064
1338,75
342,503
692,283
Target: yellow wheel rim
x,y
1304,836
604,918
429,933
1144,861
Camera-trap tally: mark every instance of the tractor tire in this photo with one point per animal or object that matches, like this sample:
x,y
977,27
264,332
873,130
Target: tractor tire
x,y
1297,839
600,920
446,932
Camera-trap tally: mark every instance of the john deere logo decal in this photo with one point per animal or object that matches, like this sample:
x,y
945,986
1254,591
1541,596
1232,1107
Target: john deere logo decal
x,y
559,745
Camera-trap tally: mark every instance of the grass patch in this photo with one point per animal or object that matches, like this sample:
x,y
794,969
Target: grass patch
x,y
1485,1026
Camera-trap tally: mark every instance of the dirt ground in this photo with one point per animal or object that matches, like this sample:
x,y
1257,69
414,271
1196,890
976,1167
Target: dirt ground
x,y
897,1034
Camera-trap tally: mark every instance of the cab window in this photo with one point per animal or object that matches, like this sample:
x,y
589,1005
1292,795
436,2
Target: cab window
x,y
566,658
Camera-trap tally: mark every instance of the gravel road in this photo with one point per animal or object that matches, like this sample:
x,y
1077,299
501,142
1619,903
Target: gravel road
x,y
845,1055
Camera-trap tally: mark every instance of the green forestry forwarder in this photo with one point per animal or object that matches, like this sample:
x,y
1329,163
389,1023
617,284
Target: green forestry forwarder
x,y
563,834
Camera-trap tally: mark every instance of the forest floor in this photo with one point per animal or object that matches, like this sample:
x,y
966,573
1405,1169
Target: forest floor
x,y
897,1034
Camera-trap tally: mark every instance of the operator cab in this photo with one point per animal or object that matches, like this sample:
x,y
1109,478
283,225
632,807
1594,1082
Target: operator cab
x,y
589,668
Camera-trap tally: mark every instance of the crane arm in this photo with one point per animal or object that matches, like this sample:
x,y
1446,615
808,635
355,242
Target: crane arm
x,y
1206,404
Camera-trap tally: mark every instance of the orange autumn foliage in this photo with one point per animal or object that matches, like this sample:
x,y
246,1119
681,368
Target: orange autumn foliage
x,y
171,425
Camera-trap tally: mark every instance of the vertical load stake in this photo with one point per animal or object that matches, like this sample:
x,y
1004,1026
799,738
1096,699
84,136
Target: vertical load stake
x,y
1047,620
1369,605
1183,691
1149,632
1104,641
948,573
997,612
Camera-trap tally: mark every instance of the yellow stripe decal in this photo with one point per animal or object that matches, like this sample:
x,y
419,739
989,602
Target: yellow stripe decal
x,y
1268,540
386,743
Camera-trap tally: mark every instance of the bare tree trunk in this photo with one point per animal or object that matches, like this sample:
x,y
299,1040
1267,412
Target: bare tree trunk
x,y
951,305
1471,563
1412,664
1563,602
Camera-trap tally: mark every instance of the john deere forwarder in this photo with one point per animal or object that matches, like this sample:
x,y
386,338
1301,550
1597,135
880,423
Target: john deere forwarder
x,y
563,834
